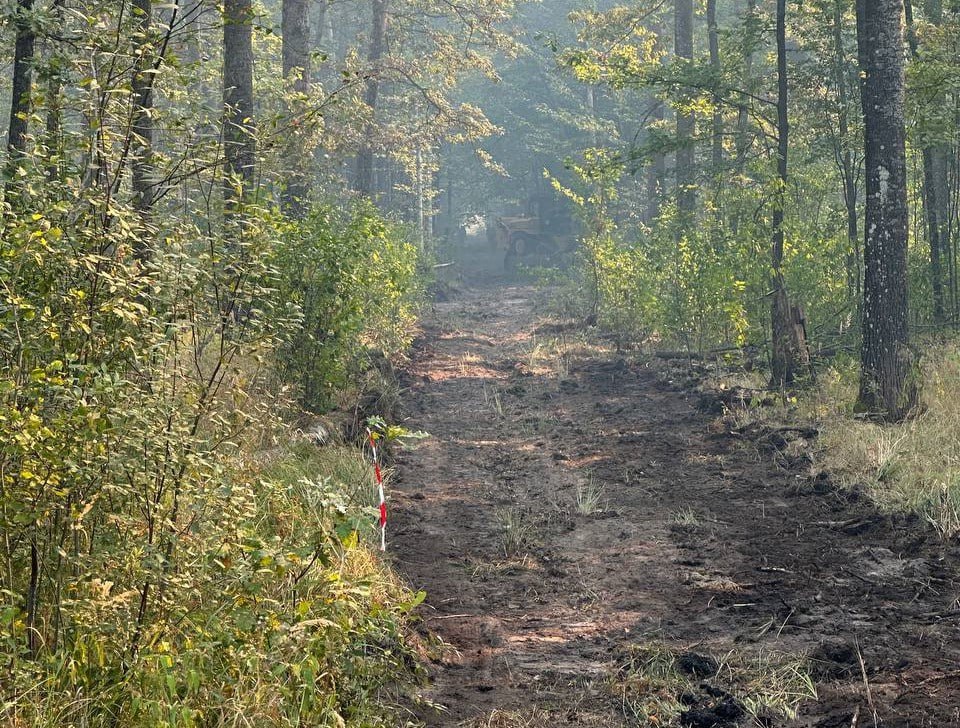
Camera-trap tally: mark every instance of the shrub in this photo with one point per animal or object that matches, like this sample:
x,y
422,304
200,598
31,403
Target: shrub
x,y
168,558
353,275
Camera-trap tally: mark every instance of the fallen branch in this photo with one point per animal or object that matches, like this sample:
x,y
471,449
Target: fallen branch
x,y
866,685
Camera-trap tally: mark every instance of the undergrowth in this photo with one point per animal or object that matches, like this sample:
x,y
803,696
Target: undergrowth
x,y
913,466
291,618
171,555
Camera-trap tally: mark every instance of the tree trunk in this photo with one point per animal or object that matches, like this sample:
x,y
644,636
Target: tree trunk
x,y
935,180
845,156
657,171
32,601
295,26
321,28
590,100
717,126
190,19
421,205
21,88
686,122
743,140
743,116
933,189
945,186
142,127
54,120
888,383
378,33
789,354
238,125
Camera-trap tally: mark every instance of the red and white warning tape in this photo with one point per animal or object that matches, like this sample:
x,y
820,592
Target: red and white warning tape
x,y
383,499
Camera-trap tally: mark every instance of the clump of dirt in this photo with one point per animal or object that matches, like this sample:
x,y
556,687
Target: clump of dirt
x,y
697,665
571,505
834,660
712,707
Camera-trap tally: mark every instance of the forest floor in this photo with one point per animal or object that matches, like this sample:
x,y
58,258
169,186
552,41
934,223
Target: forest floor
x,y
591,542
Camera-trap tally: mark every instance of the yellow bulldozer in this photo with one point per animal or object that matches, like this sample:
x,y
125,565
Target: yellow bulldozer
x,y
526,242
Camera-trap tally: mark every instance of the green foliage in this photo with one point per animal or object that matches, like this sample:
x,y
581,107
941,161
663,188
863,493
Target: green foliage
x,y
168,558
624,291
179,582
283,617
353,275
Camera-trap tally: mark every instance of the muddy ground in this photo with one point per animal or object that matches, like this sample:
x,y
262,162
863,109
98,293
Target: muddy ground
x,y
575,508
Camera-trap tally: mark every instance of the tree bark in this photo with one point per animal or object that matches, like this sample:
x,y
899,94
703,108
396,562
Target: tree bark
x,y
845,157
364,183
686,122
789,353
142,127
888,383
238,123
295,26
21,88
713,37
935,182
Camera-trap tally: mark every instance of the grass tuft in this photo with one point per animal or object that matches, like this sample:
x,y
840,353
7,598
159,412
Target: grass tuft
x,y
515,532
686,517
589,498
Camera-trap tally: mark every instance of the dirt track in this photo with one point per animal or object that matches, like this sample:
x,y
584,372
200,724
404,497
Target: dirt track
x,y
699,543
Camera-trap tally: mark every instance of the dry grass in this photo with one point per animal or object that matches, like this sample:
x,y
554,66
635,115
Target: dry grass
x,y
650,685
686,517
911,466
493,401
555,355
516,532
485,570
770,682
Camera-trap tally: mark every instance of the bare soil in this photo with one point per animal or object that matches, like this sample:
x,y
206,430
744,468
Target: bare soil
x,y
701,541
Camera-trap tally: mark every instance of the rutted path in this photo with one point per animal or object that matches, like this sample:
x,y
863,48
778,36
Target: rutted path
x,y
571,506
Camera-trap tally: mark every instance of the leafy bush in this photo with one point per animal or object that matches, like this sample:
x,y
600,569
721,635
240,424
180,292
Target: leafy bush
x,y
353,275
168,558
284,617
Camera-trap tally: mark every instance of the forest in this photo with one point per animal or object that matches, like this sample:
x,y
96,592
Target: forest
x,y
479,363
